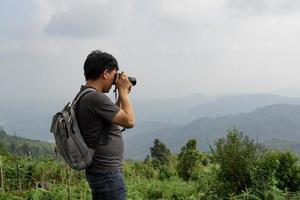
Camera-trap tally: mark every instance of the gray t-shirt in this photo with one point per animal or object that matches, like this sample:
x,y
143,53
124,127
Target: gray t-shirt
x,y
93,110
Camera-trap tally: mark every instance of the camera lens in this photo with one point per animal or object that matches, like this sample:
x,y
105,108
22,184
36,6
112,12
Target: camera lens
x,y
132,80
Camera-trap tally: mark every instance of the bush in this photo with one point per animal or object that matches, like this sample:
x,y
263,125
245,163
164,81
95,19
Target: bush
x,y
288,173
155,193
140,169
160,154
189,161
263,176
8,196
238,159
165,173
3,150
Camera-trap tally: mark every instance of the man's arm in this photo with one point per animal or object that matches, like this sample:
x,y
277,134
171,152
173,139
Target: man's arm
x,y
125,117
118,103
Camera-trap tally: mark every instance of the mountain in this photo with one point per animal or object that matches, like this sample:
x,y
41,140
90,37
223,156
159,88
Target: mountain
x,y
158,109
31,118
181,112
276,121
293,91
280,144
22,146
279,121
147,127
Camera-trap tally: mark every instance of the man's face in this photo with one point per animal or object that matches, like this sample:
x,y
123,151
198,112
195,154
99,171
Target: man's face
x,y
110,78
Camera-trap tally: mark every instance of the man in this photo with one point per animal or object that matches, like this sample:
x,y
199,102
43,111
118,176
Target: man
x,y
97,114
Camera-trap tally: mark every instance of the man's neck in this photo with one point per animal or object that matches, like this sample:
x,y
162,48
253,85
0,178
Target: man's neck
x,y
93,84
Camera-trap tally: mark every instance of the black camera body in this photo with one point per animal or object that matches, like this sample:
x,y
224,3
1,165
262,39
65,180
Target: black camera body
x,y
131,79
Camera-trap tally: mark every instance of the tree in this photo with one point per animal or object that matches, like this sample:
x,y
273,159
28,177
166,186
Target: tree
x,y
24,149
288,173
3,150
160,154
238,157
13,147
2,132
188,161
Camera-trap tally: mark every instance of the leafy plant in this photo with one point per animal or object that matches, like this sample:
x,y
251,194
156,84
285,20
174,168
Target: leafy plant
x,y
237,156
160,154
189,161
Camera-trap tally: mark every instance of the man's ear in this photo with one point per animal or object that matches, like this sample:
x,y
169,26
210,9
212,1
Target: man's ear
x,y
105,74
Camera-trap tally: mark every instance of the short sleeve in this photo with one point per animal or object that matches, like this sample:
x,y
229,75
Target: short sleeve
x,y
101,105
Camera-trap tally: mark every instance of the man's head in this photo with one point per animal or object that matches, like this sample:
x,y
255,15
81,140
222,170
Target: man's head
x,y
102,67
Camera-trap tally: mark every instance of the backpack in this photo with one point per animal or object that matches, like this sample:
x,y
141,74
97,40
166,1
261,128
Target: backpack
x,y
68,139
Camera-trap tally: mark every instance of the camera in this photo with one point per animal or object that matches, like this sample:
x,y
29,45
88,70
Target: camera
x,y
131,79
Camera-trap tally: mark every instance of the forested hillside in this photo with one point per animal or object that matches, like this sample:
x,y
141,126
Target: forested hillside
x,y
277,121
21,146
235,167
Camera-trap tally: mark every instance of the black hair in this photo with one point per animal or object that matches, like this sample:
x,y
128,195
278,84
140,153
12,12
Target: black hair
x,y
97,62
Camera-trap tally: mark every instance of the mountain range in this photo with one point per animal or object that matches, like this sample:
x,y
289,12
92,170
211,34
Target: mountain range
x,y
276,121
189,108
174,120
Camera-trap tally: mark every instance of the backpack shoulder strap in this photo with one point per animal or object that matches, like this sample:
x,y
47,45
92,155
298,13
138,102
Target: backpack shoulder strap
x,y
81,94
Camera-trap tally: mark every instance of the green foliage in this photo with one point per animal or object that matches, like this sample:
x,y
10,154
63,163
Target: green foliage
x,y
263,175
38,194
288,173
173,188
237,156
165,173
155,193
245,196
160,154
271,195
3,150
21,146
189,159
241,169
9,196
141,169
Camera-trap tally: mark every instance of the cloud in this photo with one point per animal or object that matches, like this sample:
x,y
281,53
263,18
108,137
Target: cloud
x,y
173,47
23,19
175,15
90,19
264,7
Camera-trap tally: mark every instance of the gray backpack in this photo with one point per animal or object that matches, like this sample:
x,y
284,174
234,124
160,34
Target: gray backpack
x,y
68,139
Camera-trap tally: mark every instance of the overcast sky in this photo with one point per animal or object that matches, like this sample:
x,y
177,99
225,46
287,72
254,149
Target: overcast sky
x,y
173,47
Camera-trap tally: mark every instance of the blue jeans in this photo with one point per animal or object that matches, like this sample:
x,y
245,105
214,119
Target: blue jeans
x,y
107,185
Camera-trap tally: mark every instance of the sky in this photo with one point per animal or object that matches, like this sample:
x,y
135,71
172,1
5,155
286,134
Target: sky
x,y
172,47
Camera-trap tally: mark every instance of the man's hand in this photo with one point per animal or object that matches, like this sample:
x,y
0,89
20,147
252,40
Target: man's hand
x,y
125,117
122,82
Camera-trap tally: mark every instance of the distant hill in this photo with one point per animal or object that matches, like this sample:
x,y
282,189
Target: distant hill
x,y
174,120
157,110
22,146
279,144
31,118
293,91
181,111
277,121
136,143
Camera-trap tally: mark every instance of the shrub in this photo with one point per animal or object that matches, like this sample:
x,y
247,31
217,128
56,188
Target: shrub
x,y
160,154
288,173
238,158
189,160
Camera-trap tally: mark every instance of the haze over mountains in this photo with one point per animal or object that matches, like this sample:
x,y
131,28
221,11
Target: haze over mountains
x,y
276,121
187,109
175,120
